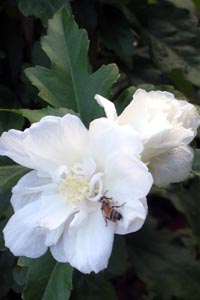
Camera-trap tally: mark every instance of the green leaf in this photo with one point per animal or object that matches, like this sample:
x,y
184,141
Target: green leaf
x,y
38,57
196,162
198,110
46,279
68,83
8,100
20,274
117,34
92,287
116,266
6,276
187,4
172,35
10,174
42,9
124,99
35,115
190,201
197,4
167,268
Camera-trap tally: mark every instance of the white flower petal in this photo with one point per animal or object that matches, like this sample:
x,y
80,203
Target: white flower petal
x,y
89,248
190,117
46,145
24,192
136,114
52,212
23,240
172,166
165,141
108,138
53,236
58,250
38,223
79,217
108,106
133,216
126,179
158,115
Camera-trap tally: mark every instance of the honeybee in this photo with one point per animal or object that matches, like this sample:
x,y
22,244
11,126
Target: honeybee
x,y
109,211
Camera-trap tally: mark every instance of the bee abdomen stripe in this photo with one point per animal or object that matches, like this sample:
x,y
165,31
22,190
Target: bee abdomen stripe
x,y
115,215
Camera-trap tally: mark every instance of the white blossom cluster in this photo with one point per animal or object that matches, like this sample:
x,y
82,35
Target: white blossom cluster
x,y
88,184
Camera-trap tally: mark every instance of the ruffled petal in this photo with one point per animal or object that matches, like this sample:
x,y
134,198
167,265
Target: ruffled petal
x,y
108,138
108,106
133,216
162,121
172,166
28,189
46,145
126,179
53,211
136,113
21,239
33,224
190,117
165,141
53,236
89,248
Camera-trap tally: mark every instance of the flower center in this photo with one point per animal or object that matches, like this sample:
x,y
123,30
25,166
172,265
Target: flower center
x,y
79,183
74,187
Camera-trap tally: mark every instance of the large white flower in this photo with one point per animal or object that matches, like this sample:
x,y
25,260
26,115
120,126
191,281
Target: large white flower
x,y
56,205
166,127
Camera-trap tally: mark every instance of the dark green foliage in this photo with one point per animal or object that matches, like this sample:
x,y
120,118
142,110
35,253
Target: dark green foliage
x,y
42,9
166,267
46,279
154,45
93,286
69,83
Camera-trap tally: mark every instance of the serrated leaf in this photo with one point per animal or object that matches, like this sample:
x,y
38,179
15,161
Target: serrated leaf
x,y
47,279
42,9
35,115
167,269
38,57
68,83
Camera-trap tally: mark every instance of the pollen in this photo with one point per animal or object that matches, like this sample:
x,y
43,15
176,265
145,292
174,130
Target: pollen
x,y
74,188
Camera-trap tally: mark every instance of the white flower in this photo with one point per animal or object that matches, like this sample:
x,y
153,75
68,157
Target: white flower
x,y
166,127
57,204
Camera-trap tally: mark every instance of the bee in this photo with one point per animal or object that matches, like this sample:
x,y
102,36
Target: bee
x,y
109,211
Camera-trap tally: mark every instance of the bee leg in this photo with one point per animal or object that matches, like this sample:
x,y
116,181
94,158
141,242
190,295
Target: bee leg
x,y
117,206
109,198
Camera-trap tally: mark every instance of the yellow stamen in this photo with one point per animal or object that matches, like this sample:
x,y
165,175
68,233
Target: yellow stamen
x,y
74,187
